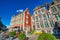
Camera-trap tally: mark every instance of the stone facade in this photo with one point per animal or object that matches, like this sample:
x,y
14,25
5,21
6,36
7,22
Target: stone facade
x,y
44,19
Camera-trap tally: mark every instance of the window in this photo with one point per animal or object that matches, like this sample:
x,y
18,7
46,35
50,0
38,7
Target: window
x,y
40,17
33,19
54,9
36,18
38,25
19,22
51,23
58,7
46,24
48,31
26,21
14,18
38,11
42,25
44,15
35,12
57,17
16,22
42,10
49,15
26,16
20,16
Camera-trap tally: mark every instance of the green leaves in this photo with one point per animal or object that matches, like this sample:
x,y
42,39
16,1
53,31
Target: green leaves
x,y
12,34
32,32
22,36
46,36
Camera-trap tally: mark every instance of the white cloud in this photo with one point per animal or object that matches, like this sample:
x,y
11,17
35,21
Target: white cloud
x,y
20,10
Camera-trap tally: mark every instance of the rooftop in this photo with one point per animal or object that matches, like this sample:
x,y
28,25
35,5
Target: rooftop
x,y
17,14
38,7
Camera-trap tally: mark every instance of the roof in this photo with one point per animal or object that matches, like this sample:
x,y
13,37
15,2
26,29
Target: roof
x,y
38,7
17,14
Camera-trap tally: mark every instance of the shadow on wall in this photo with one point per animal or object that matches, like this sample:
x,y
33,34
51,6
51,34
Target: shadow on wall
x,y
56,30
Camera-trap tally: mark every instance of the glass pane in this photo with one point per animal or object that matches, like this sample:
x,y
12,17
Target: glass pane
x,y
54,9
49,15
38,11
44,15
38,25
40,17
41,23
51,23
57,17
35,12
46,24
42,10
58,7
36,18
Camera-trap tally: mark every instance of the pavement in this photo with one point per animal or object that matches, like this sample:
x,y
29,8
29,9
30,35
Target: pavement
x,y
58,39
32,37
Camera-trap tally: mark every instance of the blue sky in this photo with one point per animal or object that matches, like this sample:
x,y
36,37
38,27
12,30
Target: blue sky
x,y
9,7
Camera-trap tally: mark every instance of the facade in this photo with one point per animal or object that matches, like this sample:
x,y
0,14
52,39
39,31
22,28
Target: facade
x,y
56,1
44,19
21,21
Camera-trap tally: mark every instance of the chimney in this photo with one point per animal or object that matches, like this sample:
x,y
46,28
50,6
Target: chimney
x,y
47,6
52,3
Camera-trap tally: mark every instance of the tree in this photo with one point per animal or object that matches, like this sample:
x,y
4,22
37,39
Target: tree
x,y
46,36
12,34
22,36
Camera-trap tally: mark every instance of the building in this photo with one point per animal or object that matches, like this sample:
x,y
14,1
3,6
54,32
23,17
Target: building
x,y
44,18
21,21
2,26
33,22
56,1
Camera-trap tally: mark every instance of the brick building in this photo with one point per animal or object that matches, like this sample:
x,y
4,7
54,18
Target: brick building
x,y
21,21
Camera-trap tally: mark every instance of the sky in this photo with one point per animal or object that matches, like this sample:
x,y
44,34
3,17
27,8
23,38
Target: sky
x,y
8,8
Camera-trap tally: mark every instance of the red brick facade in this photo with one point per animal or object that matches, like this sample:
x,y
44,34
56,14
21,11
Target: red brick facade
x,y
25,19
